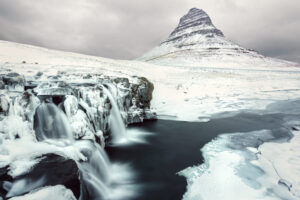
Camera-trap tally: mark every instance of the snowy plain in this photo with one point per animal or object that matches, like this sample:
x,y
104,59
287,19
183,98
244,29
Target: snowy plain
x,y
180,93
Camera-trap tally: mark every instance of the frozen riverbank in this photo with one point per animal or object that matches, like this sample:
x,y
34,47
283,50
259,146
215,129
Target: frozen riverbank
x,y
260,164
173,145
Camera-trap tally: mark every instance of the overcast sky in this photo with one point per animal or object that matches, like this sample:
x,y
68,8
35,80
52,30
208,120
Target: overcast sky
x,y
126,29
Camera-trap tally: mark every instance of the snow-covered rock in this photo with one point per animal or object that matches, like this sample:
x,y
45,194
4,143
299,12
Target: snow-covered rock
x,y
46,193
80,99
14,81
4,103
86,106
49,169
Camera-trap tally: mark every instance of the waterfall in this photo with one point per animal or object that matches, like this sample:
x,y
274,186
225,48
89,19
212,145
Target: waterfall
x,y
95,172
50,123
116,122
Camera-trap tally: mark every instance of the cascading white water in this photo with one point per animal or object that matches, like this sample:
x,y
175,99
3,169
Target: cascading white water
x,y
50,123
95,172
116,122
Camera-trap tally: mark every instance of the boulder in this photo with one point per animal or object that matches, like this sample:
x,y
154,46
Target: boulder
x,y
51,170
14,81
4,103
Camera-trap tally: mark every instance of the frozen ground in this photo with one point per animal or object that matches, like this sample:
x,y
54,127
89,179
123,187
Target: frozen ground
x,y
262,164
180,93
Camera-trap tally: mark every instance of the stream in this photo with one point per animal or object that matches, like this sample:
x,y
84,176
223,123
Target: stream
x,y
175,145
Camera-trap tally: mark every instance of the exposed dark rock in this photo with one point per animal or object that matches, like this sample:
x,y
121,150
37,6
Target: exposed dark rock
x,y
88,76
14,81
4,177
2,84
145,90
51,170
4,103
30,85
12,74
139,99
285,183
38,75
123,81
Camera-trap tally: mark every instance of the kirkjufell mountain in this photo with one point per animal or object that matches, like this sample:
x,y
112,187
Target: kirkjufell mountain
x,y
197,42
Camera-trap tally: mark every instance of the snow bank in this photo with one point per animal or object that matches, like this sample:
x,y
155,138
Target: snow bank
x,y
281,162
21,154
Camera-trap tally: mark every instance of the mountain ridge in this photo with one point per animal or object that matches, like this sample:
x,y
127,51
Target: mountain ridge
x,y
195,18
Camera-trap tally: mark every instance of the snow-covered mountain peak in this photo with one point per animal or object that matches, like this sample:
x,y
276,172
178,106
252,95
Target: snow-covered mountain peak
x,y
196,42
195,22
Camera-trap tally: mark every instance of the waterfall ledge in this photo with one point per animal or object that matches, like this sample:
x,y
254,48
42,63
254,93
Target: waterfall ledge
x,y
81,101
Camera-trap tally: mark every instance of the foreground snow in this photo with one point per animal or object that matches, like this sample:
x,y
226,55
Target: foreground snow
x,y
283,161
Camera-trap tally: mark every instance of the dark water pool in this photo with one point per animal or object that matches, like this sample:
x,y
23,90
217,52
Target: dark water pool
x,y
176,145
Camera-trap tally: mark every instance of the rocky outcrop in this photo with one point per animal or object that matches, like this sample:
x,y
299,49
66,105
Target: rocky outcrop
x,y
4,103
84,101
136,99
49,112
13,81
50,170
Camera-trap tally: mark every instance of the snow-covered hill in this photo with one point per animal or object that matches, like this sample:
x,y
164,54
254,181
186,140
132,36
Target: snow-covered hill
x,y
190,94
197,42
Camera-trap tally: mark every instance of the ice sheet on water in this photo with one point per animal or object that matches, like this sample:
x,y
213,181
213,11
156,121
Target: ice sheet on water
x,y
233,168
281,163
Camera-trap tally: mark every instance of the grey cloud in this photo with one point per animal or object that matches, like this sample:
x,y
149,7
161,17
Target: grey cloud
x,y
128,28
